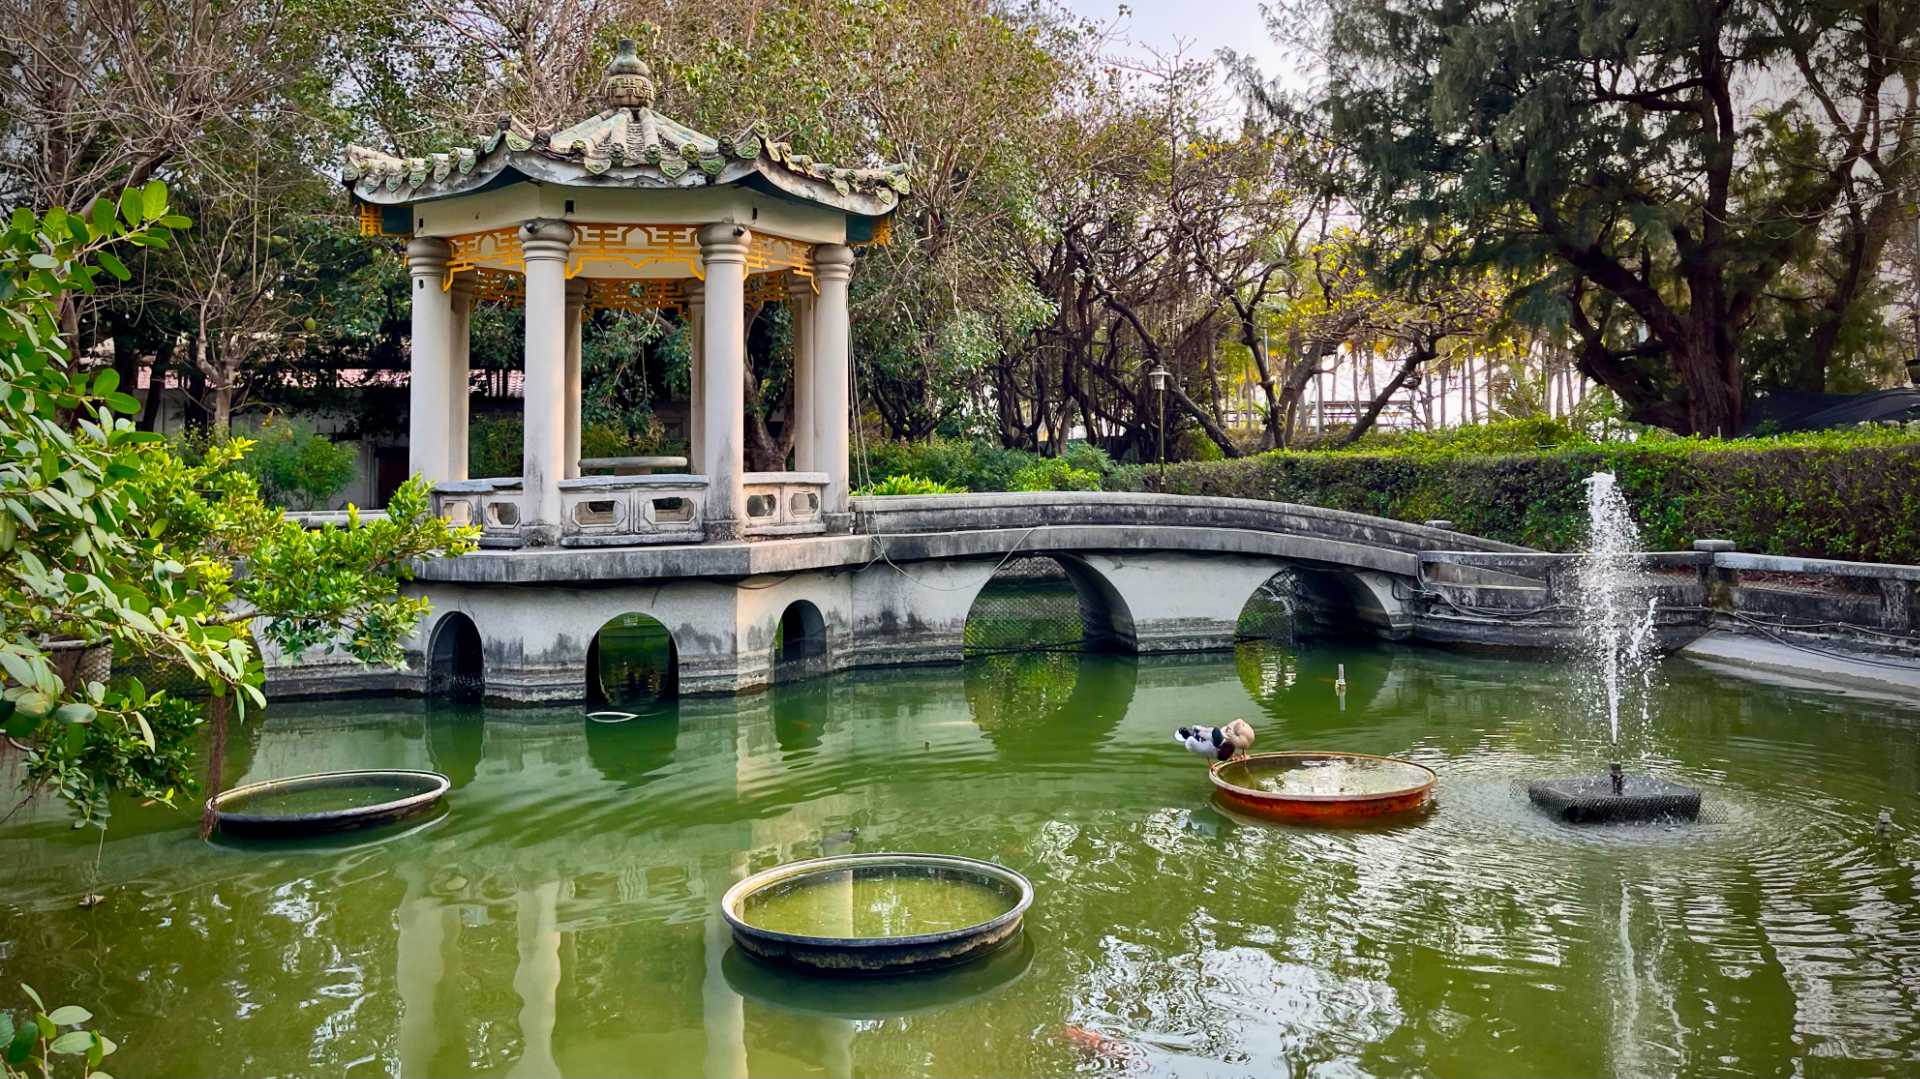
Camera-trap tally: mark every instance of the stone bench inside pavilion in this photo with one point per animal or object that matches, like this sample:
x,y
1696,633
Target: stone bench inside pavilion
x,y
630,210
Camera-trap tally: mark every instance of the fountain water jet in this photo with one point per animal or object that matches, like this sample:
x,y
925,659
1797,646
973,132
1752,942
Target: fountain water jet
x,y
1617,639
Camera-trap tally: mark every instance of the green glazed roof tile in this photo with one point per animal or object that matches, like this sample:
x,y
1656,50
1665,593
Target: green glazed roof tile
x,y
627,144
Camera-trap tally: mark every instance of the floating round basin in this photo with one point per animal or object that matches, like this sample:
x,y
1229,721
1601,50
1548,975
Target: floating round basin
x,y
875,996
877,913
1323,787
326,802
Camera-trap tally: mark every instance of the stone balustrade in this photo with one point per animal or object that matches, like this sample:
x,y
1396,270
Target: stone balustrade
x,y
619,511
785,503
493,504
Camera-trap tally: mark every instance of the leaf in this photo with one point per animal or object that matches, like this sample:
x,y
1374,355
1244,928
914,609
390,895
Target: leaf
x,y
75,712
33,996
72,1042
6,1028
176,221
18,668
108,380
69,1015
153,199
131,206
146,732
125,404
23,1041
34,704
114,266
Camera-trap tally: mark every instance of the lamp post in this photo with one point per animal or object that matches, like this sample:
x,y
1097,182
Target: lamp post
x,y
1157,378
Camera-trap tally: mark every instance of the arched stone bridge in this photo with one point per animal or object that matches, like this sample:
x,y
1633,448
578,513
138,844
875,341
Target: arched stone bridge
x,y
1154,573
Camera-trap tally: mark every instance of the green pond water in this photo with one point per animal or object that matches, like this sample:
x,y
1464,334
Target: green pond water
x,y
322,799
560,917
844,904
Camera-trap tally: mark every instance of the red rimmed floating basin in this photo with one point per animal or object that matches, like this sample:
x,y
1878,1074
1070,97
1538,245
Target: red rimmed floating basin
x,y
1323,787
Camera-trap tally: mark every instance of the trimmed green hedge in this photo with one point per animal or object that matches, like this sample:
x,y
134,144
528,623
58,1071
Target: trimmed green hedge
x,y
1852,494
978,465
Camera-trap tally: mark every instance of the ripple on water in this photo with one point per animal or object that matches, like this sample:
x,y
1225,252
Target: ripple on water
x,y
1167,937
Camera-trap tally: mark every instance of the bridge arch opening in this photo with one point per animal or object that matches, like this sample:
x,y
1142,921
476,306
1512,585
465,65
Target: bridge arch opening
x,y
456,661
633,660
1333,603
1268,614
1047,602
799,642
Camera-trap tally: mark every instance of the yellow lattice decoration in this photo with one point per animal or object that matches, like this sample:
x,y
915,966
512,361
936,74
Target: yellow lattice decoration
x,y
773,254
636,247
494,249
498,286
768,287
882,232
644,294
370,220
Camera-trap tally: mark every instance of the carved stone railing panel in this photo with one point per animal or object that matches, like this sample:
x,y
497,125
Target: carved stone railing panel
x,y
618,511
493,504
784,503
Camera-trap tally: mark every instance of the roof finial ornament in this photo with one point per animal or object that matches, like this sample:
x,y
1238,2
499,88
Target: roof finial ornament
x,y
628,84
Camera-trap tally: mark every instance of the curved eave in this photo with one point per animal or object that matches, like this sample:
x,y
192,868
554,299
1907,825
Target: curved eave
x,y
503,166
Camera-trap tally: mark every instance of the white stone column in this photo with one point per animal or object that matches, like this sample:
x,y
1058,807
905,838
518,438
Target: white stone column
x,y
832,356
723,251
544,246
459,377
427,380
800,305
576,312
696,375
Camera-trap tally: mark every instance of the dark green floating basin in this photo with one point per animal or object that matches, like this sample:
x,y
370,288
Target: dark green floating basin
x,y
326,802
879,995
877,913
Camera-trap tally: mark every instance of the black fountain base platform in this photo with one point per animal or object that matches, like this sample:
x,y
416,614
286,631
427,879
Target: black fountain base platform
x,y
1615,799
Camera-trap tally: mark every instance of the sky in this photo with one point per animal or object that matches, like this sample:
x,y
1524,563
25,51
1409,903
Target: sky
x,y
1202,25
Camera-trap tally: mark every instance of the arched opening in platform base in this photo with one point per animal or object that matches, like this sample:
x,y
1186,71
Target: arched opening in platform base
x,y
456,664
799,643
632,661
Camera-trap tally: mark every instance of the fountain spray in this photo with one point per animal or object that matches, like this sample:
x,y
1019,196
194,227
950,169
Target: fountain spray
x,y
1616,632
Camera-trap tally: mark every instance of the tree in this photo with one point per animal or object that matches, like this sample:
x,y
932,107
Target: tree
x,y
112,546
1659,172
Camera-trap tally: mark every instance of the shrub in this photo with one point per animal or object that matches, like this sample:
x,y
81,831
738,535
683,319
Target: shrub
x,y
1851,494
1054,474
909,485
297,468
978,465
496,445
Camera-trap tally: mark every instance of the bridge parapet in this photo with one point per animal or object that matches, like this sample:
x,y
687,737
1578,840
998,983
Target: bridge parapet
x,y
909,515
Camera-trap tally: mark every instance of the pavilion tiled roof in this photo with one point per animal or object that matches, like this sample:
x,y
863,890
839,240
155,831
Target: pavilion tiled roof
x,y
627,145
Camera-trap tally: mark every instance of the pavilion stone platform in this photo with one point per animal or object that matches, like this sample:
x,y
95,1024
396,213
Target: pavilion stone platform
x,y
628,209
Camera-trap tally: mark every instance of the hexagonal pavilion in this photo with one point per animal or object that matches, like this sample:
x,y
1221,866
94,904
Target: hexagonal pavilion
x,y
629,209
